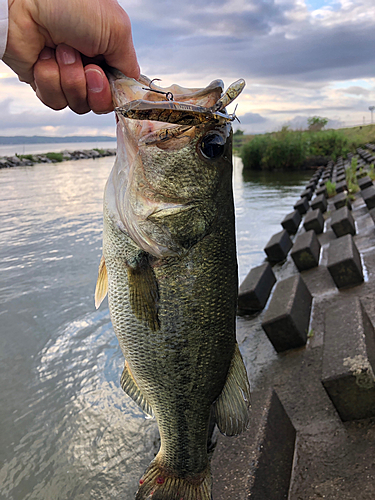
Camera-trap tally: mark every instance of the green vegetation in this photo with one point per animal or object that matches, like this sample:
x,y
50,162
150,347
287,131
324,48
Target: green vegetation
x,y
371,172
55,156
331,188
316,123
239,139
289,150
293,150
100,151
351,177
25,157
310,333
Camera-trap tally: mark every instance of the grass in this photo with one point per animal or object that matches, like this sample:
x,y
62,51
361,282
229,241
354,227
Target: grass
x,y
283,150
371,172
359,135
290,150
331,188
351,177
55,156
25,157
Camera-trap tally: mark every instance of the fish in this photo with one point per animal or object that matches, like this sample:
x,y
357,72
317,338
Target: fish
x,y
170,271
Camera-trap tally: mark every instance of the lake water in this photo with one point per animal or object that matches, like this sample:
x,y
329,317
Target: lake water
x,y
67,430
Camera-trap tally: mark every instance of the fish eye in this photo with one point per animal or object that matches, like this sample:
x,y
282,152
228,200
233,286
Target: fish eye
x,y
212,145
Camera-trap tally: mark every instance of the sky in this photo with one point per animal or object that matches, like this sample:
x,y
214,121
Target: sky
x,y
300,58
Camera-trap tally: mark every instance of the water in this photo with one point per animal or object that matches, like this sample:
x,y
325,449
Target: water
x,y
67,430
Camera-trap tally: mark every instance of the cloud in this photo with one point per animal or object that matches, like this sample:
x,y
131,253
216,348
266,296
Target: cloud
x,y
300,123
355,90
266,40
251,119
294,54
54,122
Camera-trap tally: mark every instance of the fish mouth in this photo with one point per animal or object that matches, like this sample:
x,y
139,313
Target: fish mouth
x,y
169,112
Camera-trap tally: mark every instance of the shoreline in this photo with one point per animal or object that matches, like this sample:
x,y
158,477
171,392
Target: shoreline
x,y
28,160
307,323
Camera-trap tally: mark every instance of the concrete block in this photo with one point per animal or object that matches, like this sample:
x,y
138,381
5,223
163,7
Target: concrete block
x,y
342,222
368,196
349,359
361,172
344,262
314,220
278,246
340,178
372,213
286,320
305,251
311,184
257,464
341,186
322,190
365,182
307,193
319,202
302,205
256,288
342,200
291,222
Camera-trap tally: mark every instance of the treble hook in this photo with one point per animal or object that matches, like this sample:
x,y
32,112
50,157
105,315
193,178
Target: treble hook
x,y
168,95
233,116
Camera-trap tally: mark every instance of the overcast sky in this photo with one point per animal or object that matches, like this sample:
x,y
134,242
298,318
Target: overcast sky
x,y
300,58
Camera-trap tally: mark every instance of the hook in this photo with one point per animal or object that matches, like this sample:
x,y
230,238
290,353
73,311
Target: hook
x,y
168,95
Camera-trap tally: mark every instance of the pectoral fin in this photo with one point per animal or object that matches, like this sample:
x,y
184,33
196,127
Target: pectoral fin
x,y
129,385
101,289
232,406
144,293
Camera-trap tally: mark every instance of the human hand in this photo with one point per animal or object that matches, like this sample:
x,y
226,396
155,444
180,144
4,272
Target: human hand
x,y
49,41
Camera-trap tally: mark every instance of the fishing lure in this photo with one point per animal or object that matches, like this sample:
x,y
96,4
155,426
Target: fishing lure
x,y
179,113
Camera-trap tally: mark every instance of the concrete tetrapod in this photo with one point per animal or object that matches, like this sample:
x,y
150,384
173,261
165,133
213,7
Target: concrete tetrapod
x,y
287,318
344,262
256,288
349,359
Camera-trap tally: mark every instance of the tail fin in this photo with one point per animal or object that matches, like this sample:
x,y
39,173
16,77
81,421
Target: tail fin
x,y
157,484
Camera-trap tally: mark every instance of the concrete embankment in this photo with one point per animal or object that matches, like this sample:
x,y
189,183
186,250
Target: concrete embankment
x,y
32,159
306,329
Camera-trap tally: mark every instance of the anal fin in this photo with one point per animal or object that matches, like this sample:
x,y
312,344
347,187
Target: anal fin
x,y
232,406
129,385
101,289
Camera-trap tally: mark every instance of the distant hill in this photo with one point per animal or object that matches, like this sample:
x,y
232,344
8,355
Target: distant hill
x,y
41,139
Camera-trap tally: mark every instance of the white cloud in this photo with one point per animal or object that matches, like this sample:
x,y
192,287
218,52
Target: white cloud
x,y
19,119
292,53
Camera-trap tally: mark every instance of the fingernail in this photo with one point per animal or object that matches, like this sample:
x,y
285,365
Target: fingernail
x,y
45,54
68,56
94,79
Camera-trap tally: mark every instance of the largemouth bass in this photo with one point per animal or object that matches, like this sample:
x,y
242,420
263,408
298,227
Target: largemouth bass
x,y
169,266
